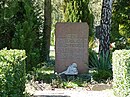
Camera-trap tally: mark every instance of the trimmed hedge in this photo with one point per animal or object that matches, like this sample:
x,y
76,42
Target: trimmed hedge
x,y
12,73
121,73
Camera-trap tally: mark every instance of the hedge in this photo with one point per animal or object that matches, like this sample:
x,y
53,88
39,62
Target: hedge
x,y
121,73
12,73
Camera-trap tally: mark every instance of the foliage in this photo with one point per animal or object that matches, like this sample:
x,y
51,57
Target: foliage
x,y
121,73
20,27
12,73
6,24
45,73
27,95
101,75
93,59
59,82
57,16
121,24
26,30
42,72
78,11
70,84
102,65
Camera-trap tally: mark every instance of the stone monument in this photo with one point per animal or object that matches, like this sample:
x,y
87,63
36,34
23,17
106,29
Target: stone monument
x,y
71,46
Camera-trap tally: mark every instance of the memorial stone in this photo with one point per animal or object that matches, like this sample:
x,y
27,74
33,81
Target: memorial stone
x,y
71,46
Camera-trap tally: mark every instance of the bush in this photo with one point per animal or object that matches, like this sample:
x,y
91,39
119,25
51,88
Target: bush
x,y
121,73
12,73
101,75
102,66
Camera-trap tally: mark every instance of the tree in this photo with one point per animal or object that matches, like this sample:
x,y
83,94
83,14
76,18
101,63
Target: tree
x,y
104,37
46,31
7,27
26,27
19,24
78,11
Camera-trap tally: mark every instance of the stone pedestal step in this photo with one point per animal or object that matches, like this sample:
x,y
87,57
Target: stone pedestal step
x,y
51,96
71,93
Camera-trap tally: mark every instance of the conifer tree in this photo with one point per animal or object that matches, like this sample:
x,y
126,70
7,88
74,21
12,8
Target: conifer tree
x,y
78,11
6,24
20,22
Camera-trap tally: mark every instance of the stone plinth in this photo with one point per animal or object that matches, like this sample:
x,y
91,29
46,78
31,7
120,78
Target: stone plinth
x,y
71,46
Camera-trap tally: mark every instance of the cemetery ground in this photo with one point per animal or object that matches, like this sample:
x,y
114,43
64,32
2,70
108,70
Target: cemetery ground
x,y
43,81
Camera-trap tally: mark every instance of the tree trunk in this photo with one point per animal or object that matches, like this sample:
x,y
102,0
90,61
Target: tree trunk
x,y
104,39
46,30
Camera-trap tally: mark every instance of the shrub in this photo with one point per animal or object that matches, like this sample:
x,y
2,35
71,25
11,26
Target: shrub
x,y
102,75
102,66
121,73
12,73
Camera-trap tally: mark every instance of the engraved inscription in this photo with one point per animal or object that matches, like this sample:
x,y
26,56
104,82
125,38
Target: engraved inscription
x,y
67,53
70,42
71,46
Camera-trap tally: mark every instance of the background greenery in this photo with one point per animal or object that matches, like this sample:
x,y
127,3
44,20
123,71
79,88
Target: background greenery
x,y
22,23
121,24
22,27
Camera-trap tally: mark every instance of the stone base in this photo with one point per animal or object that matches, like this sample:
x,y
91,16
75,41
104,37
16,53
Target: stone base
x,y
50,94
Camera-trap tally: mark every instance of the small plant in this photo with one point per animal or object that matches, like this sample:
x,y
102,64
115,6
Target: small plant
x,y
27,95
57,82
70,84
102,66
101,75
